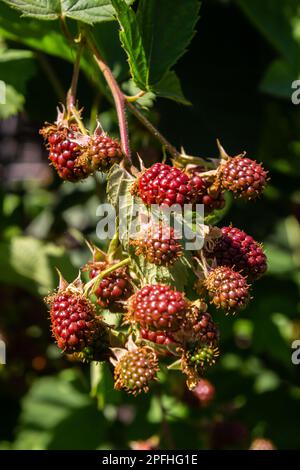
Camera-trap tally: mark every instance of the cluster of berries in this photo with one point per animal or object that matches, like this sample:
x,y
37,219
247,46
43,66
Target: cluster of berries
x,y
75,155
162,322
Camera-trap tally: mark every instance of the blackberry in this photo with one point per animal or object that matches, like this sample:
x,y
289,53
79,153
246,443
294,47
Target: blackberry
x,y
240,251
227,289
103,152
244,177
158,245
158,307
165,185
114,289
135,367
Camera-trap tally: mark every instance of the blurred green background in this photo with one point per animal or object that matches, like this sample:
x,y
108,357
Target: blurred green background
x,y
238,74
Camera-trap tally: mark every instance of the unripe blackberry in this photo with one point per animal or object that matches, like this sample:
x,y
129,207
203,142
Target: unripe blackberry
x,y
244,177
157,337
203,357
65,154
227,289
135,368
240,251
195,360
157,307
204,392
158,245
103,152
114,289
262,444
165,185
73,320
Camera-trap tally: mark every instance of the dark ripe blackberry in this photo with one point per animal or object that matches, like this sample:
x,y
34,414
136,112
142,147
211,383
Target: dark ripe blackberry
x,y
158,308
240,251
262,444
157,337
135,368
104,152
73,321
227,289
114,289
65,154
204,392
166,185
158,245
244,177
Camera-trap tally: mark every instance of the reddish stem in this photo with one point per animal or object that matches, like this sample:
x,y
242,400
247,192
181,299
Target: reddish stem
x,y
118,96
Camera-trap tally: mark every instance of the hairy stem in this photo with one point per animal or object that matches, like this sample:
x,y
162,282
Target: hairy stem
x,y
118,96
140,116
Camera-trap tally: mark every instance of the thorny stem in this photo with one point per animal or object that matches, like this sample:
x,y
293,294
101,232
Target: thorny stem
x,y
118,96
94,283
140,116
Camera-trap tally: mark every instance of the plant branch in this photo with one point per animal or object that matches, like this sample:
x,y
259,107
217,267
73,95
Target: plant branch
x,y
118,96
171,149
71,96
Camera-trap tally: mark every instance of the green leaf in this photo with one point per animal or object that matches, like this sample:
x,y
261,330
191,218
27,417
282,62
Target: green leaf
x,y
131,39
170,87
167,27
92,11
119,182
30,263
154,39
278,79
14,103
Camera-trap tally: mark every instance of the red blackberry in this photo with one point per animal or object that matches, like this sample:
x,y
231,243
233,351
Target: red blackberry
x,y
240,251
158,245
104,152
135,367
158,337
227,289
73,320
204,392
211,196
243,176
204,328
166,185
262,444
114,288
158,307
65,154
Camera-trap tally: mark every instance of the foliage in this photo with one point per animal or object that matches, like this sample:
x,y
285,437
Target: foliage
x,y
44,222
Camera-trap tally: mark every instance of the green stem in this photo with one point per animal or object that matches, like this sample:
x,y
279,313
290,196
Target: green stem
x,y
94,283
